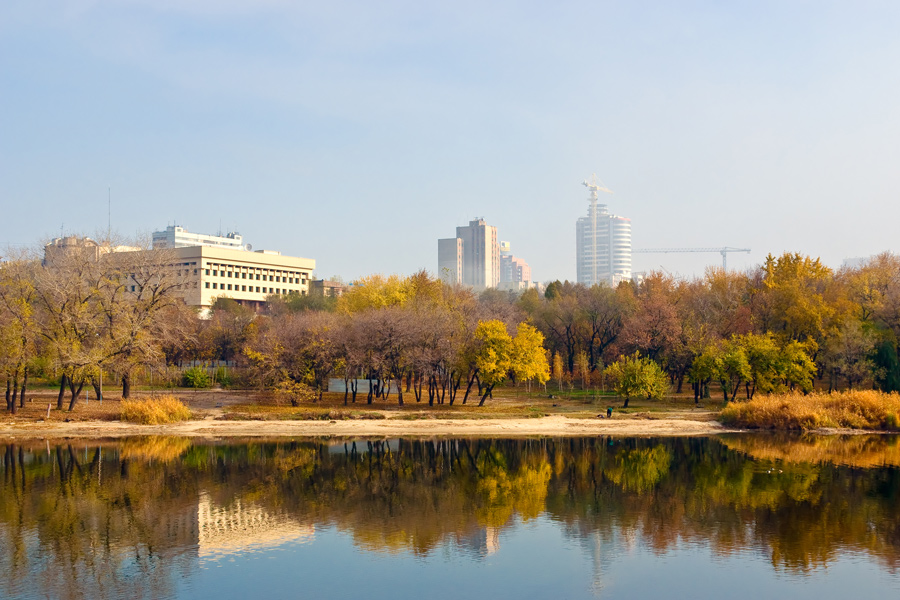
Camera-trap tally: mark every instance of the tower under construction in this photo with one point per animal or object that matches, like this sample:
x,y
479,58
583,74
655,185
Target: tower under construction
x,y
602,242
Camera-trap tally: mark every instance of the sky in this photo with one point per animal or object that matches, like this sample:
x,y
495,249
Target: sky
x,y
358,133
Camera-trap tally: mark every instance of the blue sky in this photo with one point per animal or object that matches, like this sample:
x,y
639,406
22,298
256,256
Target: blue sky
x,y
359,133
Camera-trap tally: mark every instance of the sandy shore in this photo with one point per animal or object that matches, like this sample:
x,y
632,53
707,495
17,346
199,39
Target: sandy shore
x,y
547,426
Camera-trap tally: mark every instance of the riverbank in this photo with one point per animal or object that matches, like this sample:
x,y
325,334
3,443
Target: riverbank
x,y
238,413
554,425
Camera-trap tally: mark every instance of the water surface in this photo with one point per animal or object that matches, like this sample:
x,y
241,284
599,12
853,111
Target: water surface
x,y
732,516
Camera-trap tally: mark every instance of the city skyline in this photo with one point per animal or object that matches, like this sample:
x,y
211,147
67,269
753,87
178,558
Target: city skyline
x,y
771,127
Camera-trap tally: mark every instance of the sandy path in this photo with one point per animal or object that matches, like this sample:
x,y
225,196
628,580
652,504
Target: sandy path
x,y
547,426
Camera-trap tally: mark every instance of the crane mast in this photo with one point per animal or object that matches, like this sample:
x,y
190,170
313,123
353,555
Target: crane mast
x,y
723,251
595,185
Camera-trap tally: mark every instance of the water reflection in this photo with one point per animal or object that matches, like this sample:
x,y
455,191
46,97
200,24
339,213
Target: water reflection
x,y
132,518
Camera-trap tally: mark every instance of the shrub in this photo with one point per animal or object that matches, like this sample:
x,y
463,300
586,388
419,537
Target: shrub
x,y
858,409
196,377
154,411
223,377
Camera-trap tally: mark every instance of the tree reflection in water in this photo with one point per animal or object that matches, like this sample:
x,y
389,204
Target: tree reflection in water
x,y
127,518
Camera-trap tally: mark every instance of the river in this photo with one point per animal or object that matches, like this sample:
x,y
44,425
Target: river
x,y
730,516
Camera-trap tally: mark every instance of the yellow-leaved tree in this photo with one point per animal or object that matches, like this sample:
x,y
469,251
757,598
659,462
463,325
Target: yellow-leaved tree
x,y
529,359
498,354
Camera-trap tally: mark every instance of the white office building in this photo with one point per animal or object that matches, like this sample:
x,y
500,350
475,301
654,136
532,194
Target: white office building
x,y
178,237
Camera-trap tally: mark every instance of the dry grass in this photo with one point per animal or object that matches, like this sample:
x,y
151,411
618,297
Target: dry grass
x,y
865,409
156,410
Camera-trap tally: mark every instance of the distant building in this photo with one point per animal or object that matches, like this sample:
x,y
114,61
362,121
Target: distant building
x,y
515,273
326,288
602,244
471,258
450,260
84,246
209,270
223,266
179,237
246,277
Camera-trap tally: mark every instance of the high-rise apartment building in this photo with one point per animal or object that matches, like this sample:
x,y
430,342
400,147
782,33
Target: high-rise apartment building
x,y
515,273
450,260
602,243
472,257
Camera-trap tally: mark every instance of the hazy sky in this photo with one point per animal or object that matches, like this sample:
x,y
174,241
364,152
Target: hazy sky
x,y
358,133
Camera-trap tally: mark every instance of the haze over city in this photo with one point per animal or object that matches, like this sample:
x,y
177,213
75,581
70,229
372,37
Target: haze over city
x,y
358,135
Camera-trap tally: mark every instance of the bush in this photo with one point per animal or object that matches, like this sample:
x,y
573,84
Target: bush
x,y
154,411
196,377
858,409
223,377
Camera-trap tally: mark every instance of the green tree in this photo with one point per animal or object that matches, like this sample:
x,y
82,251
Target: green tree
x,y
637,376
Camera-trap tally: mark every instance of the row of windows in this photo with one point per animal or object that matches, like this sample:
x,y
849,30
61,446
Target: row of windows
x,y
187,286
243,288
275,278
253,270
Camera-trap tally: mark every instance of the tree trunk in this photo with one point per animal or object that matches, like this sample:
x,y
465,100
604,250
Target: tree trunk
x,y
96,387
15,393
369,399
24,386
399,390
469,387
8,394
454,387
353,388
626,402
696,386
76,391
346,390
126,385
487,392
62,391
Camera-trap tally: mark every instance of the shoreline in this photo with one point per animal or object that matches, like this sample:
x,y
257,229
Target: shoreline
x,y
551,426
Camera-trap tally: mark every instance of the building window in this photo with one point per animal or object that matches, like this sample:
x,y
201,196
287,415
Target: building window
x,y
215,273
215,286
229,273
207,285
195,271
257,289
207,271
229,287
243,276
257,276
243,288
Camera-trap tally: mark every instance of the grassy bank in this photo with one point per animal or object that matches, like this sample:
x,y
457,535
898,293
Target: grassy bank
x,y
866,410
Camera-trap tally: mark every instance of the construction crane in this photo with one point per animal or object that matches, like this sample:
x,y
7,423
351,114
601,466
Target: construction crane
x,y
723,251
594,185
